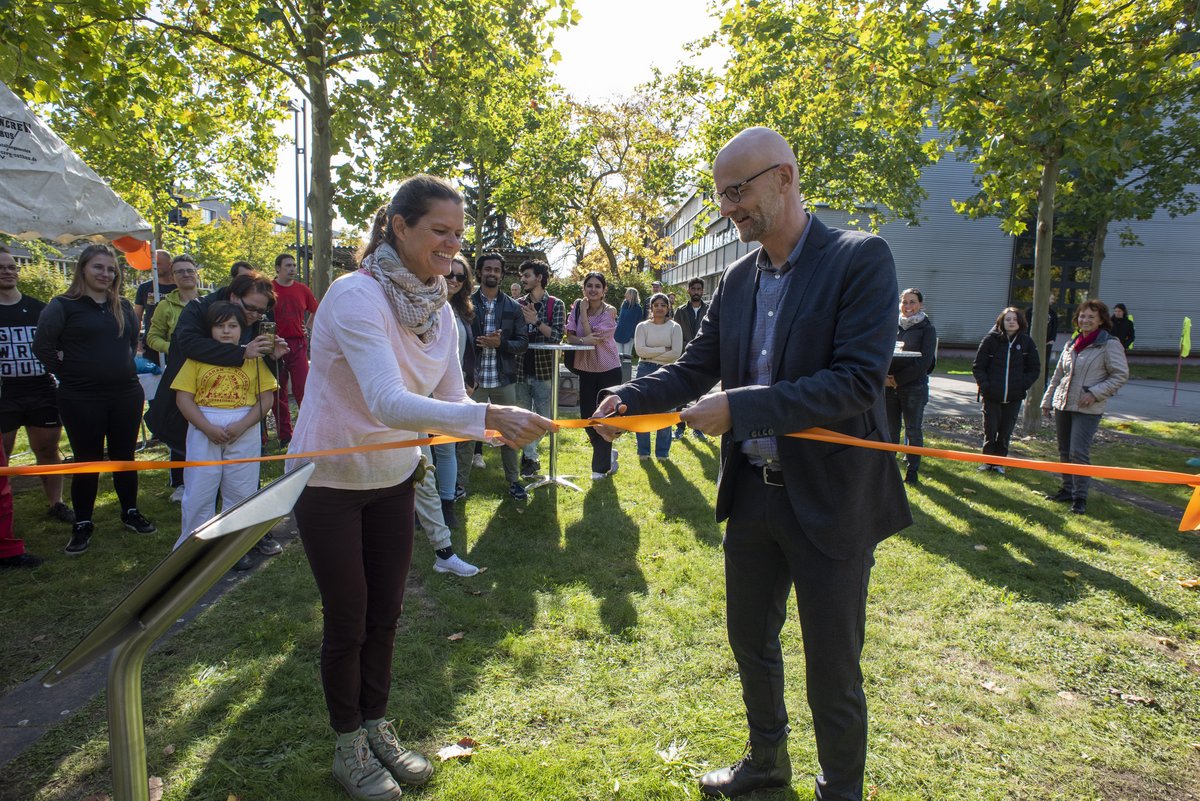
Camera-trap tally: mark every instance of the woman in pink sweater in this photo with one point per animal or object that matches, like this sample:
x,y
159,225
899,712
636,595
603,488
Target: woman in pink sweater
x,y
384,367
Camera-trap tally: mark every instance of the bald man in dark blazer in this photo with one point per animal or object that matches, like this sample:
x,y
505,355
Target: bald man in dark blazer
x,y
800,333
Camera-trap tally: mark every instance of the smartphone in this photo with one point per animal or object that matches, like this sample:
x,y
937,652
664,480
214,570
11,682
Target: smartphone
x,y
267,328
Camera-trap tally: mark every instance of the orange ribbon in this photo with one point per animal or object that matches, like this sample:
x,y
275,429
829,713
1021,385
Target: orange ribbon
x,y
646,423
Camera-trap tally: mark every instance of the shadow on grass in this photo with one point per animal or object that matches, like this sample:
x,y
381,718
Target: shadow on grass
x,y
682,501
1039,579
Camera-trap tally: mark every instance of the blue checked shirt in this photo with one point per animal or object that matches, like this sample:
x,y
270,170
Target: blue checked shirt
x,y
488,366
772,287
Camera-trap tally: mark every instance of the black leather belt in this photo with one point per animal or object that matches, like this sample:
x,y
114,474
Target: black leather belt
x,y
771,476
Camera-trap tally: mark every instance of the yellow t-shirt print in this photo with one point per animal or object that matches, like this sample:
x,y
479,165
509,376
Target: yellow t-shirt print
x,y
223,387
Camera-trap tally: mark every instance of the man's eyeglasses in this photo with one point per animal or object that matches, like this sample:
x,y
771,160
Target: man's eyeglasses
x,y
459,277
254,309
734,193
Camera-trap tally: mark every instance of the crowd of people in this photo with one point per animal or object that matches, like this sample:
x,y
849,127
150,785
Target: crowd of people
x,y
418,341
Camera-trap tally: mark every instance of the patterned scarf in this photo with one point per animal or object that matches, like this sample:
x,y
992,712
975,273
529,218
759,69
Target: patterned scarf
x,y
908,322
414,302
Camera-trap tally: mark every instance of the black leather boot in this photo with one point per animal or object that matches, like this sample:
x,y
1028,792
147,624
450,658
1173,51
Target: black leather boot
x,y
765,765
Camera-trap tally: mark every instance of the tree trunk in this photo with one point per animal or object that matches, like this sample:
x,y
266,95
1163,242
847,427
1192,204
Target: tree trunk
x,y
320,195
1098,254
1043,246
605,245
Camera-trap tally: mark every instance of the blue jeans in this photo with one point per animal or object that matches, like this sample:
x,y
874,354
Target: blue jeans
x,y
534,394
907,403
1076,431
446,469
662,437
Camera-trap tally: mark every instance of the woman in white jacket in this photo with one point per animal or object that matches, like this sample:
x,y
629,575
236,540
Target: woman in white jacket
x,y
1090,371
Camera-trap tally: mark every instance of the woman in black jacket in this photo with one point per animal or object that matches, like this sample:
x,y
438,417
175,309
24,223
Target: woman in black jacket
x,y
1006,366
908,383
87,338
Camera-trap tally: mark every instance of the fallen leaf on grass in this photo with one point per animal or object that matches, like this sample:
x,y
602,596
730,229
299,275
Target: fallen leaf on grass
x,y
1196,746
1131,699
993,687
156,788
1166,642
473,592
170,749
456,636
981,548
463,749
40,638
672,752
1066,695
616,786
923,721
968,490
872,792
233,797
1071,573
1189,584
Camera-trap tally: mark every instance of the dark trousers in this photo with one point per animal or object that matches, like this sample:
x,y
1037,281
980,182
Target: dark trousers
x,y
590,385
907,404
1075,431
766,557
359,546
999,420
93,420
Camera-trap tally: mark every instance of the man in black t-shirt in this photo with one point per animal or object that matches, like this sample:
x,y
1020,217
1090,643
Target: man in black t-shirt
x,y
27,391
145,300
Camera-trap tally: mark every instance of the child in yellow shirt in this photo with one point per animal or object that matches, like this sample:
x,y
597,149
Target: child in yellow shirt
x,y
223,406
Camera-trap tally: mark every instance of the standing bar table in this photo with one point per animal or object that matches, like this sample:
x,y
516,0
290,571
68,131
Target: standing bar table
x,y
553,478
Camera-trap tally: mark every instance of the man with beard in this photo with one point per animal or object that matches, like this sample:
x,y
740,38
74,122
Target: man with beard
x,y
800,334
500,339
544,318
689,316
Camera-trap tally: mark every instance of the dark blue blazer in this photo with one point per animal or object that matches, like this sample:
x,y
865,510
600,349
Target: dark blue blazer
x,y
834,337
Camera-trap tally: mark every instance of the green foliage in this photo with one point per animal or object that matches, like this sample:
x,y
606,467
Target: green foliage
x,y
848,84
150,111
41,279
249,235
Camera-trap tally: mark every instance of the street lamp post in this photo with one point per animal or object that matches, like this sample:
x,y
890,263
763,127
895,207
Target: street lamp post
x,y
300,129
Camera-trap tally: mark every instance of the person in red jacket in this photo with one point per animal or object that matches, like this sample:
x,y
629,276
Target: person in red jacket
x,y
294,304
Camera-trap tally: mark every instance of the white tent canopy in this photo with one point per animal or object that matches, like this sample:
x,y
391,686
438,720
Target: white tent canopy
x,y
47,192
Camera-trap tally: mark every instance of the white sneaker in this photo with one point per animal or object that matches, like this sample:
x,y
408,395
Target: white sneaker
x,y
177,495
455,565
477,461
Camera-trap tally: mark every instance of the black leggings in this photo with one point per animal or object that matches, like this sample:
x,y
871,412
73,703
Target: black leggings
x,y
92,419
359,545
590,385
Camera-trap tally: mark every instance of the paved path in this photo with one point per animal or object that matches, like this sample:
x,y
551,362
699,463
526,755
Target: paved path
x,y
1145,401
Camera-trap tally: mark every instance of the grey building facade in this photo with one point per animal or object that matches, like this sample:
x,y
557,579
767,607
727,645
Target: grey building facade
x,y
969,270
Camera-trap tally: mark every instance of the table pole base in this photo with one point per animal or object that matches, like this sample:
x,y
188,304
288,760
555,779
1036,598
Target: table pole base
x,y
559,481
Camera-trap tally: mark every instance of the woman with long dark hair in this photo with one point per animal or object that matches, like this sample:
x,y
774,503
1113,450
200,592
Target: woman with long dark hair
x,y
1006,365
1090,370
460,285
87,337
593,322
385,367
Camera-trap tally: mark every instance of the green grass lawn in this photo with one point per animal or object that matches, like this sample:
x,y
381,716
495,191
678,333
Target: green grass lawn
x,y
593,662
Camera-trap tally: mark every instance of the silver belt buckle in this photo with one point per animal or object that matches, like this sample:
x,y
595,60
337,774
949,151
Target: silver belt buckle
x,y
766,476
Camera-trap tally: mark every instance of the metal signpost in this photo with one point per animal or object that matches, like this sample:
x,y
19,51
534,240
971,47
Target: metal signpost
x,y
169,590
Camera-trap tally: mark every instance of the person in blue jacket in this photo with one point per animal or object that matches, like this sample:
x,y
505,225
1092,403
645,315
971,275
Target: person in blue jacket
x,y
630,314
1006,366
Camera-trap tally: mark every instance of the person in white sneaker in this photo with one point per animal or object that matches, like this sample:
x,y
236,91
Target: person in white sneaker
x,y
433,522
385,367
